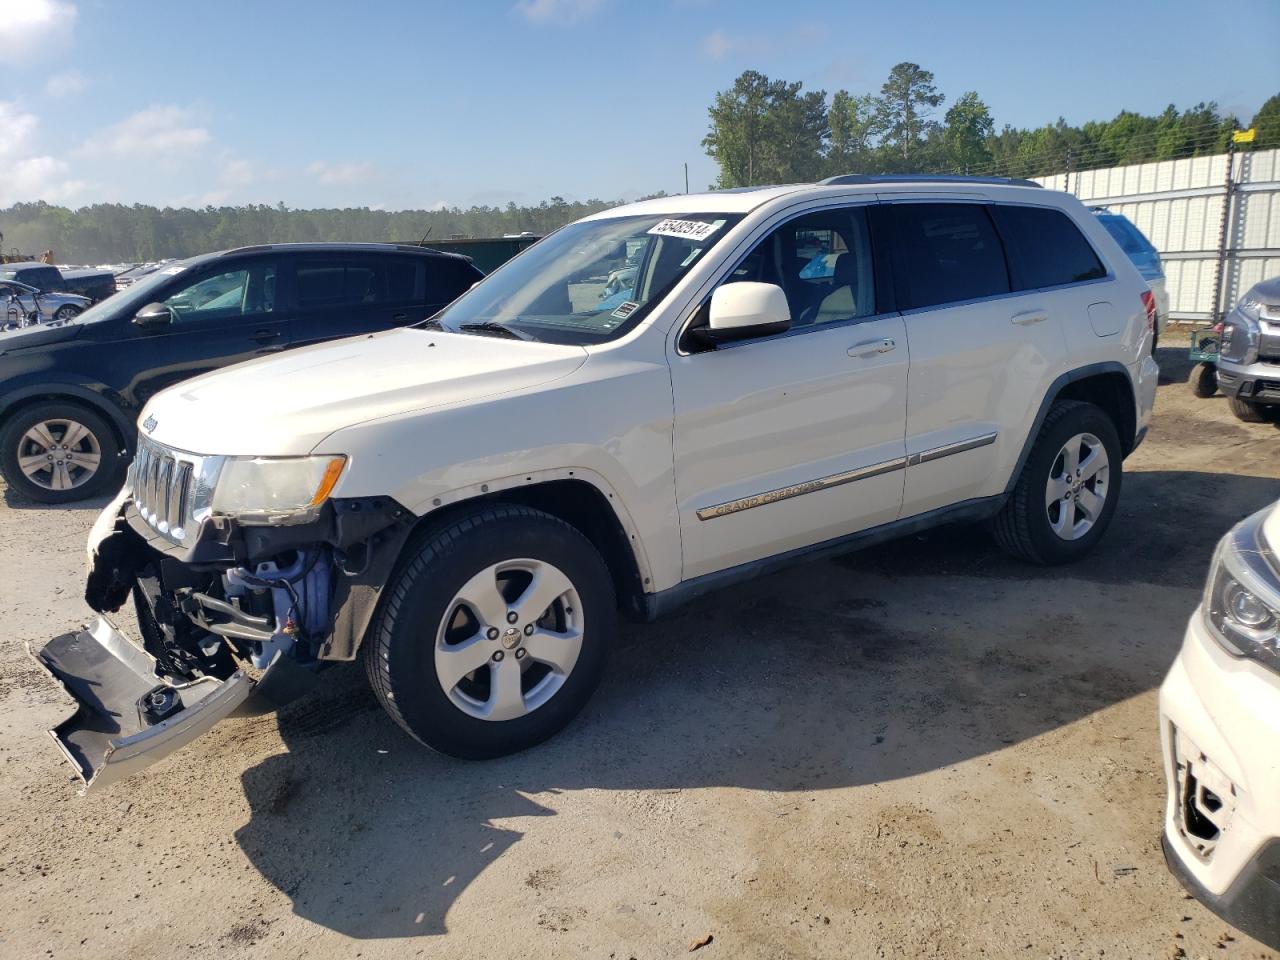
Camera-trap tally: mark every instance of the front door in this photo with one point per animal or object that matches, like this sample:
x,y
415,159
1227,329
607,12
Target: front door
x,y
796,438
222,314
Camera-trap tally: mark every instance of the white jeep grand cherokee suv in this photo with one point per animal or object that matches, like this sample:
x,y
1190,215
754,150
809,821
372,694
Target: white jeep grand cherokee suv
x,y
467,505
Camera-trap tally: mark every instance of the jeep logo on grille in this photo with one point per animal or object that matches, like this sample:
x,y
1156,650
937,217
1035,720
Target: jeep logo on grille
x,y
149,424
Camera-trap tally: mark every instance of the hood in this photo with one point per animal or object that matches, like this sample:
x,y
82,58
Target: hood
x,y
37,335
284,405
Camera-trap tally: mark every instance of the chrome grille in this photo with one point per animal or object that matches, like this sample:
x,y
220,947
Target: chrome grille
x,y
172,489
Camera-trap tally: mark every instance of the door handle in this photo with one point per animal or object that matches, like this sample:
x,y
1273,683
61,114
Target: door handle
x,y
1028,317
399,317
869,348
264,335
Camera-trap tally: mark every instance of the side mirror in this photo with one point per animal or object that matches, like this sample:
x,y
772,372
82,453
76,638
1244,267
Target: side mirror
x,y
153,315
741,311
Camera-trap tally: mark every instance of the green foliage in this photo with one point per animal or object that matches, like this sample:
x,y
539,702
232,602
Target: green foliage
x,y
1267,122
759,134
766,131
113,232
907,100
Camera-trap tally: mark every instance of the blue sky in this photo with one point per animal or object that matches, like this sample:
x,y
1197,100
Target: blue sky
x,y
417,104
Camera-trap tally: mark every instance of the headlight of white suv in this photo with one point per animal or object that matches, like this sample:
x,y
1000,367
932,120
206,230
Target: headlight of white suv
x,y
1242,597
276,490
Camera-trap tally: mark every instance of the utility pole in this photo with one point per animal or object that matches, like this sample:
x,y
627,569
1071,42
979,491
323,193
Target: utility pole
x,y
686,178
1215,310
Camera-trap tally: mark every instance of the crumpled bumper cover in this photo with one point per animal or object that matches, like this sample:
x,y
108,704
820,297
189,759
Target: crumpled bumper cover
x,y
126,717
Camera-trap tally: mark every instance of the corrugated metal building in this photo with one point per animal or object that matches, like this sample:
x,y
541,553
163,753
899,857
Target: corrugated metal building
x,y
1179,205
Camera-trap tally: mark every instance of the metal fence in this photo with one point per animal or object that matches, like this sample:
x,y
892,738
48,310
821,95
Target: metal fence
x,y
1215,221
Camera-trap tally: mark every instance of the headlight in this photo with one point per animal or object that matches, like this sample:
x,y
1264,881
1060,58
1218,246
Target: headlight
x,y
1241,333
276,491
1242,598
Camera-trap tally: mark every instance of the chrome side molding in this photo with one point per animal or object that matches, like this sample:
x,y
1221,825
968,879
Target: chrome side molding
x,y
849,476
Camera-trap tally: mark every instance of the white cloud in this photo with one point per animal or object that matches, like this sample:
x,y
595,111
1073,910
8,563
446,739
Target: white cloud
x,y
29,29
718,44
156,132
65,84
37,178
237,173
340,173
556,11
19,130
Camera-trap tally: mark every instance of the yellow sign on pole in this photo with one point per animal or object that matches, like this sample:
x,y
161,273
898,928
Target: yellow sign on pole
x,y
1244,136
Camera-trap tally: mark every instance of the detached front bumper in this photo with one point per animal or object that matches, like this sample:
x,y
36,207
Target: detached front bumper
x,y
126,717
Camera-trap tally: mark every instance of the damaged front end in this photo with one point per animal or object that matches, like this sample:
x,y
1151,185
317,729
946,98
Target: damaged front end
x,y
233,619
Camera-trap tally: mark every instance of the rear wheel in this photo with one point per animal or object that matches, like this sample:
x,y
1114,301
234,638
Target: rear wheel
x,y
58,452
494,632
1066,494
66,314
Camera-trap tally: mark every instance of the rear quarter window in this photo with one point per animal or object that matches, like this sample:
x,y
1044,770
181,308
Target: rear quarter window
x,y
1046,248
449,278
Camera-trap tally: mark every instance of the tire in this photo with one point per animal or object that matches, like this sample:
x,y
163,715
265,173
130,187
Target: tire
x,y
1025,526
1248,411
424,622
66,314
1204,380
26,435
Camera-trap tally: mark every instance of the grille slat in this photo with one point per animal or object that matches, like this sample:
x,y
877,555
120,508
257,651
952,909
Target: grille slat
x,y
164,489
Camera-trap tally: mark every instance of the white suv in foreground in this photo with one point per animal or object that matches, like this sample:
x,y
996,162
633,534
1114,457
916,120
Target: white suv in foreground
x,y
649,403
1220,729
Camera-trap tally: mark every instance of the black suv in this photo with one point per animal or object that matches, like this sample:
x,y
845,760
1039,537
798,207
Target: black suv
x,y
69,395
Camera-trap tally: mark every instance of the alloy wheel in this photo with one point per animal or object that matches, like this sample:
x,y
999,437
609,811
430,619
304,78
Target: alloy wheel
x,y
509,639
59,454
1078,486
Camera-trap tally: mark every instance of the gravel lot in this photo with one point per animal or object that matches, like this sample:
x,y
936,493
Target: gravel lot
x,y
924,750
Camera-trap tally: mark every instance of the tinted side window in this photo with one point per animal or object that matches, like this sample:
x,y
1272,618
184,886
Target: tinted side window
x,y
1046,248
947,252
405,280
337,283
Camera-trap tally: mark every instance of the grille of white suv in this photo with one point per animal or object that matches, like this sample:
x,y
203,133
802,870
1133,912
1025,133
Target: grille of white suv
x,y
171,489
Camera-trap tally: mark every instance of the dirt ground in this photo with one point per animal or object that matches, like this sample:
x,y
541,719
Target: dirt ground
x,y
924,750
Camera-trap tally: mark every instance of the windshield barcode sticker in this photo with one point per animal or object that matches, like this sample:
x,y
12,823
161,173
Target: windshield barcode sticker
x,y
694,230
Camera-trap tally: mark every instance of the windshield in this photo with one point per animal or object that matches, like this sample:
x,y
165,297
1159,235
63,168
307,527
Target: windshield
x,y
590,281
133,297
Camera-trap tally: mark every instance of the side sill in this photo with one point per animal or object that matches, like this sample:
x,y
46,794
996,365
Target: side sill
x,y
660,604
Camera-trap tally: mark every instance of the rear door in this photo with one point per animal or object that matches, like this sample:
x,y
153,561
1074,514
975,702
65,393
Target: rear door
x,y
221,313
981,352
343,295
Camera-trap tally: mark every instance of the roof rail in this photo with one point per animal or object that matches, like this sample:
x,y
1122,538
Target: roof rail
x,y
850,179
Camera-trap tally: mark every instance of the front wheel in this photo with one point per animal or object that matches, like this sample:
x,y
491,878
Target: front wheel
x,y
58,452
1066,494
1248,411
494,632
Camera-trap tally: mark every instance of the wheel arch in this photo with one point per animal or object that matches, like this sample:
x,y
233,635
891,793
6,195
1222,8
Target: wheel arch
x,y
1106,385
23,397
582,499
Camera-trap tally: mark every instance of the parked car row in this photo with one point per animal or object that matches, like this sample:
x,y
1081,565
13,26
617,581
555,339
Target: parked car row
x,y
651,403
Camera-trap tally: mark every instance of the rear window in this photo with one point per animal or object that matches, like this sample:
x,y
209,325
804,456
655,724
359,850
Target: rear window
x,y
949,252
1046,248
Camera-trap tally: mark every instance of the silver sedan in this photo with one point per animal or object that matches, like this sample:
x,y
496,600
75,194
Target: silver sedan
x,y
18,302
